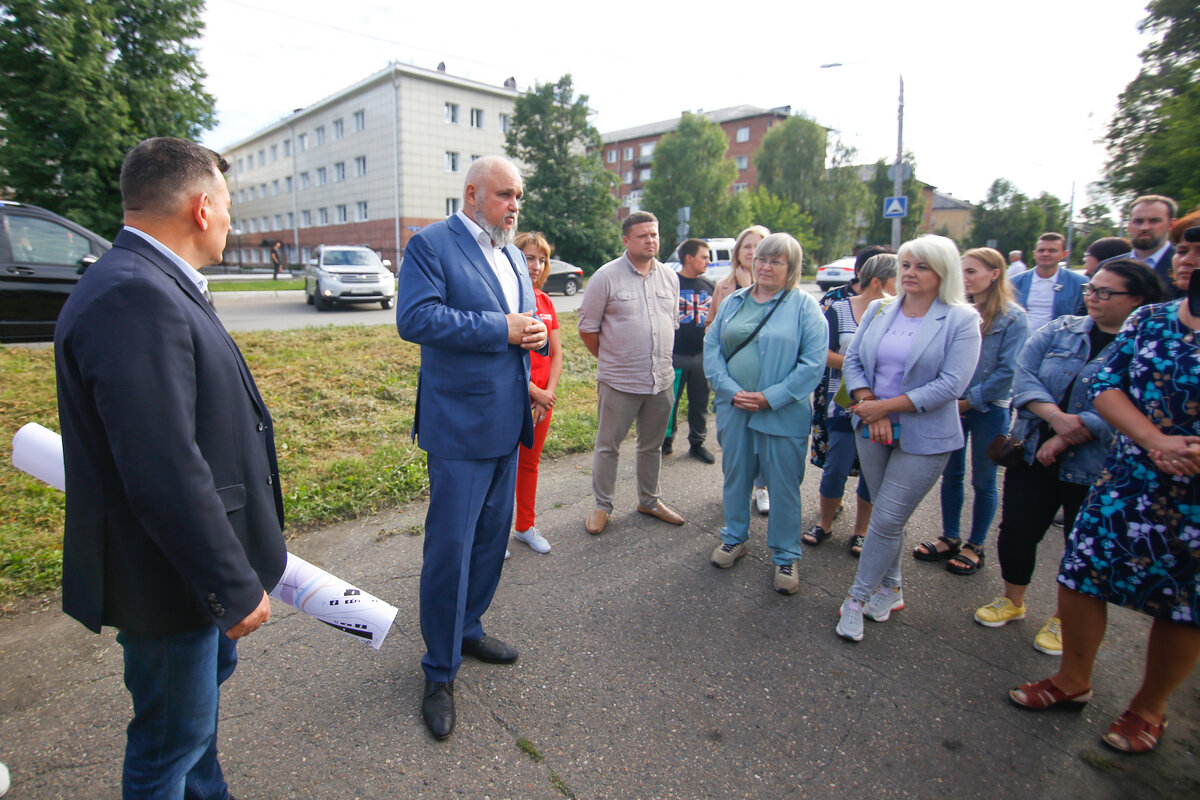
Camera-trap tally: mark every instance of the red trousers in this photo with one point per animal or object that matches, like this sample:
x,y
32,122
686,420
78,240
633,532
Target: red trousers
x,y
527,474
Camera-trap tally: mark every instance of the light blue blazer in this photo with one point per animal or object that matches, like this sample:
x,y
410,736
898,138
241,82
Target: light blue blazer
x,y
937,372
473,388
1068,290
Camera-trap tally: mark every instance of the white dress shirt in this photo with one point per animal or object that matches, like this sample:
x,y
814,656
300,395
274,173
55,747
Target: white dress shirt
x,y
501,266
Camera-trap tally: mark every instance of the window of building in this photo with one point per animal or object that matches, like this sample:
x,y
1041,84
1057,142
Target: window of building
x,y
505,123
241,166
318,136
302,142
287,184
306,253
451,206
339,128
743,134
291,219
743,162
451,113
627,176
644,174
475,157
251,226
612,156
262,191
322,216
628,154
360,120
360,211
647,149
262,157
241,195
341,214
476,117
287,147
306,219
278,222
739,187
274,152
303,181
253,193
322,176
266,223
274,188
339,172
451,162
634,200
360,166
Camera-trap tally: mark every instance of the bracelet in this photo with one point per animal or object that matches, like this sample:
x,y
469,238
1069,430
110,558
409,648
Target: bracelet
x,y
867,397
1050,418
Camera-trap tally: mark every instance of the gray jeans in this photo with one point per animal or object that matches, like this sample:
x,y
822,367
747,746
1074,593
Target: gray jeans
x,y
617,412
898,482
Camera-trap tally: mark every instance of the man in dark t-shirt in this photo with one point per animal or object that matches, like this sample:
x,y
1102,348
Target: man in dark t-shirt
x,y
695,296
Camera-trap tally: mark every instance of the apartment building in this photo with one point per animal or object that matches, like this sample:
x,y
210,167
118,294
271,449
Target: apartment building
x,y
629,153
370,165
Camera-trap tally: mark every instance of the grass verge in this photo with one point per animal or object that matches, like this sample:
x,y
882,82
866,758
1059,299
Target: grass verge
x,y
266,285
342,400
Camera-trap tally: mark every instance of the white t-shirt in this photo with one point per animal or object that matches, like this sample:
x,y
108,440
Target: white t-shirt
x,y
1040,308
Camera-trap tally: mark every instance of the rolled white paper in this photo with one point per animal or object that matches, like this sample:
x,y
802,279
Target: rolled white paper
x,y
38,451
304,587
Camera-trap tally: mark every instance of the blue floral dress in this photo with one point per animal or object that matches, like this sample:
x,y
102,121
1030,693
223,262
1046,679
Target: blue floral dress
x,y
1136,541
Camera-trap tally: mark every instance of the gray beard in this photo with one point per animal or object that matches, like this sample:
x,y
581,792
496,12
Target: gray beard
x,y
500,237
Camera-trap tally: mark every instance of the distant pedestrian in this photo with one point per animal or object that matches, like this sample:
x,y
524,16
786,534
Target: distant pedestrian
x,y
1048,291
1015,264
276,259
695,297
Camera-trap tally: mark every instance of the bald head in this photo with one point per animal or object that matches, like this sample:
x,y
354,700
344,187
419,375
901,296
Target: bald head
x,y
492,197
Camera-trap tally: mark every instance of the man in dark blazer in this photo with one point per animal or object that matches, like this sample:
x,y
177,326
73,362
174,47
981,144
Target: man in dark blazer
x,y
1150,219
466,298
173,508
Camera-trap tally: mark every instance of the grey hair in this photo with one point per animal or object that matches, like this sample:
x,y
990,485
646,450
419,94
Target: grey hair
x,y
881,266
481,167
783,244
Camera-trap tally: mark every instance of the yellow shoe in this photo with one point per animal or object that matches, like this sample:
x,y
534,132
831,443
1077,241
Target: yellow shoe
x,y
1049,638
999,613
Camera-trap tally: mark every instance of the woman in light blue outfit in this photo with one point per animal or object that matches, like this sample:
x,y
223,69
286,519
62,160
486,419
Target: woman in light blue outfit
x,y
985,412
910,361
763,355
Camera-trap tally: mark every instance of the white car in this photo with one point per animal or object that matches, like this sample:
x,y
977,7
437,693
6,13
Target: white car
x,y
835,273
348,274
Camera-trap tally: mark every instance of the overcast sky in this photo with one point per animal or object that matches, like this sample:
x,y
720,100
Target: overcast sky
x,y
1020,90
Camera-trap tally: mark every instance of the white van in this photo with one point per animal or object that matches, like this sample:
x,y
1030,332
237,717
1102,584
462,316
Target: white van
x,y
720,263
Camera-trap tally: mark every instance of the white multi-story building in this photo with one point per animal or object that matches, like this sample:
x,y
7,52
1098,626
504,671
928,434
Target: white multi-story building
x,y
371,165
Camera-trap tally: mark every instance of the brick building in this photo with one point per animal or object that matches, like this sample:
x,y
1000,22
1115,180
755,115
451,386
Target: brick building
x,y
630,152
372,164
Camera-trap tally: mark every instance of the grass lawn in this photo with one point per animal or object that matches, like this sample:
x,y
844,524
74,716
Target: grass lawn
x,y
342,400
265,285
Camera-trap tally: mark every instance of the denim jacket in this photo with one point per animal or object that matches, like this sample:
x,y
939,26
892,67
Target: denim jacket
x,y
992,383
1055,355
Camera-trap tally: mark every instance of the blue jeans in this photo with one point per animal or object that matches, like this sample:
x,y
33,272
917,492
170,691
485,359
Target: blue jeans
x,y
839,460
171,743
980,427
899,482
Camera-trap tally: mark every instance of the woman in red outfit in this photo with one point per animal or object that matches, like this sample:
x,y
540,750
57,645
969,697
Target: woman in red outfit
x,y
543,382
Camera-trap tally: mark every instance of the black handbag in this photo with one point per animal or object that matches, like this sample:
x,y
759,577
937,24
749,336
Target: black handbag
x,y
1006,450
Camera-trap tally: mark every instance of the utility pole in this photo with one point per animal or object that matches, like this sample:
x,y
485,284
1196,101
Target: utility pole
x,y
898,177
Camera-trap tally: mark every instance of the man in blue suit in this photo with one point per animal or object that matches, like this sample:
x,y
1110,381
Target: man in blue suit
x,y
1048,291
173,508
466,298
1150,219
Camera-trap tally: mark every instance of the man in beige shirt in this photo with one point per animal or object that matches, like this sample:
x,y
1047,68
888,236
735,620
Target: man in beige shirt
x,y
628,320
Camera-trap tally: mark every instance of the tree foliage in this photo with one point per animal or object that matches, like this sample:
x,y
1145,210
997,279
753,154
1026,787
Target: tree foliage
x,y
1152,141
567,188
1015,221
690,169
781,215
82,82
879,229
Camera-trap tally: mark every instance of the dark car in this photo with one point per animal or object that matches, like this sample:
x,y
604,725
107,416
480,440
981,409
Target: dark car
x,y
564,277
42,256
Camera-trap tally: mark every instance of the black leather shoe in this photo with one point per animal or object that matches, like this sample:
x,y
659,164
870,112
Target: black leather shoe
x,y
490,650
700,453
667,447
437,708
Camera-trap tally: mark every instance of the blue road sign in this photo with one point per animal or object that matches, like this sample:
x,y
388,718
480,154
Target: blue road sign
x,y
895,207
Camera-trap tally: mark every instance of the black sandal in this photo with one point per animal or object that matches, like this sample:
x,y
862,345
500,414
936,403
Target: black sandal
x,y
959,564
815,535
856,545
931,553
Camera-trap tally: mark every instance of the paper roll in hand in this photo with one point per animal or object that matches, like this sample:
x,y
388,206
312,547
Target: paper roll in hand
x,y
304,587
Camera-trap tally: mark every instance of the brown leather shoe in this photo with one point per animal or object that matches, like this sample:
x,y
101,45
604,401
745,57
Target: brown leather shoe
x,y
662,512
596,521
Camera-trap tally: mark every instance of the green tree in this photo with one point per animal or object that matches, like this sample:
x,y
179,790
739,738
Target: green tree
x,y
879,229
567,189
82,82
690,169
1009,218
781,215
1152,142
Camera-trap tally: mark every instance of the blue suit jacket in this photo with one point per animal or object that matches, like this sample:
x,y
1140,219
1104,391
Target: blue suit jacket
x,y
473,389
1067,291
174,512
937,372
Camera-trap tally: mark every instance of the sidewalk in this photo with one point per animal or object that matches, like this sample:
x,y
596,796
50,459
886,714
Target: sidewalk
x,y
644,673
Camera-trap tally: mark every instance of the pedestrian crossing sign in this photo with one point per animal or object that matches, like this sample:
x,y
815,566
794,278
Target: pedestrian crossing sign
x,y
895,207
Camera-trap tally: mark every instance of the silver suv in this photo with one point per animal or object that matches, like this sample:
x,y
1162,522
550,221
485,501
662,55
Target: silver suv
x,y
348,274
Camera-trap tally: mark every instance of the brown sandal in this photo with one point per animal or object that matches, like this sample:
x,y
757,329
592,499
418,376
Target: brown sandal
x,y
1133,734
1043,694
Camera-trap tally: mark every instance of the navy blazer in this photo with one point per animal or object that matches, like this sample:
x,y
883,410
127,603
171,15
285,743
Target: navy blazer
x,y
937,372
173,508
1068,290
473,388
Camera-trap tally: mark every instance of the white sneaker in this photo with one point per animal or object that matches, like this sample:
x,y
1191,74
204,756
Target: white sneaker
x,y
762,500
507,554
3,779
533,537
850,626
882,603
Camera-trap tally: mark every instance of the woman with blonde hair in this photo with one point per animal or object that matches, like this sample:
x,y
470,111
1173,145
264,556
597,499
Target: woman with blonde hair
x,y
984,410
909,362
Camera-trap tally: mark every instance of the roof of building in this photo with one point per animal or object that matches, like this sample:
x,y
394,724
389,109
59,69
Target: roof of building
x,y
944,202
720,115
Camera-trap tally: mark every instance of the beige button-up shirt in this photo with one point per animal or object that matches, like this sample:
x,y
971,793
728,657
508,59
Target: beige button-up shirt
x,y
636,317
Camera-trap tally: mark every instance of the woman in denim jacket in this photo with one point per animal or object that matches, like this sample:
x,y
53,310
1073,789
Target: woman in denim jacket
x,y
985,412
1066,441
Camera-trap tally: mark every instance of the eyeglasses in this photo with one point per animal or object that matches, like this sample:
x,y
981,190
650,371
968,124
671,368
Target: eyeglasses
x,y
1101,292
773,263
